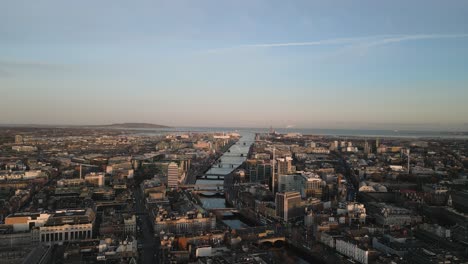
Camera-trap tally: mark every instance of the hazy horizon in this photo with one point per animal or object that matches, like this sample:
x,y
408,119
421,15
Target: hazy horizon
x,y
304,64
357,127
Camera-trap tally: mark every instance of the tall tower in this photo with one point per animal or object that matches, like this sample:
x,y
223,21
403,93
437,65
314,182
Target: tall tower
x,y
172,175
366,147
19,139
408,153
288,205
273,172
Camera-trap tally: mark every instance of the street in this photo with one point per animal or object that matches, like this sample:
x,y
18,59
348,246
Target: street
x,y
149,249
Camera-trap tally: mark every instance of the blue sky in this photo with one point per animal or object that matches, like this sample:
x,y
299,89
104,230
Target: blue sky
x,y
321,64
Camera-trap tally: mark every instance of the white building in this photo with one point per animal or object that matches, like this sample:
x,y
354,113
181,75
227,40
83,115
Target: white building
x,y
21,175
192,221
130,225
70,182
22,222
352,250
66,225
24,148
172,175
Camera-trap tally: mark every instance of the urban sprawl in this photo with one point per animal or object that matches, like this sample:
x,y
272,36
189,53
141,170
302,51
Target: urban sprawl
x,y
89,195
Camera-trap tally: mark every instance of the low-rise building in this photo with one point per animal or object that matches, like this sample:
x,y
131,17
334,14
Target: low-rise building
x,y
66,225
191,221
353,250
386,214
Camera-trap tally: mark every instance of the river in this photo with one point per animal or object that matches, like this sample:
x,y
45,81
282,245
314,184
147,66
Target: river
x,y
230,159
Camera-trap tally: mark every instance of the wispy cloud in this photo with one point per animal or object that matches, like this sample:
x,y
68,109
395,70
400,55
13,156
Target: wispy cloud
x,y
362,42
397,39
28,64
8,67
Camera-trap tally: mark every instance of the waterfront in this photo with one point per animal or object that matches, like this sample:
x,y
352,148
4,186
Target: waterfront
x,y
236,155
358,133
232,159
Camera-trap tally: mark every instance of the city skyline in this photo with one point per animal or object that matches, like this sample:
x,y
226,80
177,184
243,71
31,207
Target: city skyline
x,y
307,64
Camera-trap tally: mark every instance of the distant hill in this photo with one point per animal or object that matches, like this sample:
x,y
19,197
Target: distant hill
x,y
133,125
121,125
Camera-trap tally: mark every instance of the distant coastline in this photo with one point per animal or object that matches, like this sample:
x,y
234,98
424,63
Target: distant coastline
x,y
351,133
116,126
150,129
131,125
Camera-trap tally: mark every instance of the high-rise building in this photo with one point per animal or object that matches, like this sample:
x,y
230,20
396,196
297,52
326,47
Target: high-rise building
x,y
335,145
290,182
312,186
19,139
366,147
172,175
342,144
288,205
284,165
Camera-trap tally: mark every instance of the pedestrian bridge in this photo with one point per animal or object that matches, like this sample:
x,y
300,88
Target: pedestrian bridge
x,y
202,187
212,176
273,241
222,210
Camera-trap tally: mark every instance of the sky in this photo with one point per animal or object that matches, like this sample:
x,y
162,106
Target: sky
x,y
254,63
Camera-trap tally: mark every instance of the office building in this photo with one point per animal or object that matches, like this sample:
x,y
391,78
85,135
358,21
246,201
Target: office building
x,y
288,205
283,165
190,222
95,179
172,175
19,139
66,225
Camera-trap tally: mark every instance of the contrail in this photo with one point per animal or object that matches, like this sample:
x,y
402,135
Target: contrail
x,y
369,41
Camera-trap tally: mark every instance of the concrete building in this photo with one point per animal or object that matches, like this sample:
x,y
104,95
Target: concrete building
x,y
290,182
95,179
288,205
260,172
203,145
283,165
130,224
22,222
353,250
386,214
19,139
24,148
367,149
395,246
27,254
309,185
459,200
312,186
172,175
117,224
66,225
70,182
153,185
192,221
22,175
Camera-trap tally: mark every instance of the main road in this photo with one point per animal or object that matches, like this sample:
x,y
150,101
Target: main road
x,y
147,243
